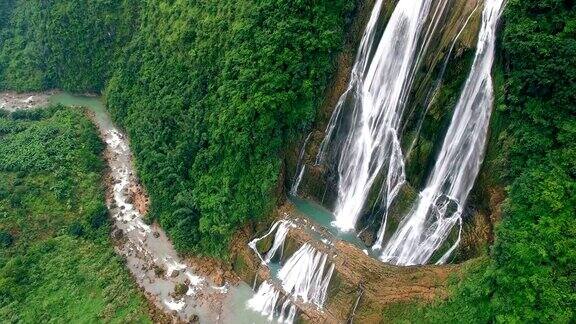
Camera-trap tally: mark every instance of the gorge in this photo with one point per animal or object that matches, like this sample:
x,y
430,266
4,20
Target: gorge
x,y
368,116
365,161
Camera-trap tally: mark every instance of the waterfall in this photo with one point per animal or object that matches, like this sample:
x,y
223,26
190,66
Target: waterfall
x,y
438,84
440,205
287,315
282,227
265,302
380,82
300,168
306,275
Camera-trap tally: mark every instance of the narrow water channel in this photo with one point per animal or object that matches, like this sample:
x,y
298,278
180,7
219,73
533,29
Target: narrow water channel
x,y
150,256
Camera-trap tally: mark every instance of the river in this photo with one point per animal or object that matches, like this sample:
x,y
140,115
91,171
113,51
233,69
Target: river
x,y
150,256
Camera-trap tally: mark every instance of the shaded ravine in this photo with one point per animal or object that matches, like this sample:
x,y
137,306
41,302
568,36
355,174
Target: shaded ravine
x,y
149,254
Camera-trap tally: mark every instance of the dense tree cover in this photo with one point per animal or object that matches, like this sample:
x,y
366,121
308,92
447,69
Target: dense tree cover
x,y
62,44
56,262
210,92
6,8
534,270
531,274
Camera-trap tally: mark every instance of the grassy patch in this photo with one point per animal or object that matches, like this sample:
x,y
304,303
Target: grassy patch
x,y
56,262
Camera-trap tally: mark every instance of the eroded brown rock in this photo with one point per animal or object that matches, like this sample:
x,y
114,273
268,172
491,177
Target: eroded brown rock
x,y
356,274
138,197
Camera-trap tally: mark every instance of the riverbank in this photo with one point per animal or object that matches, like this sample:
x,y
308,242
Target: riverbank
x,y
12,101
201,289
184,290
57,263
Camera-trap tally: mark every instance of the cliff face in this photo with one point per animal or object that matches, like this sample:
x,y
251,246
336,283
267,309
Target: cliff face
x,y
436,88
361,287
317,183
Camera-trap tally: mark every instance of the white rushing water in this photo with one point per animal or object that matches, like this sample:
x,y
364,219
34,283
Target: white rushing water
x,y
147,246
305,276
380,82
300,168
266,301
440,205
281,227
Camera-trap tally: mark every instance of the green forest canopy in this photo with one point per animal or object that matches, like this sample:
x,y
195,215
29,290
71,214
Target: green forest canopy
x,y
62,44
211,92
56,261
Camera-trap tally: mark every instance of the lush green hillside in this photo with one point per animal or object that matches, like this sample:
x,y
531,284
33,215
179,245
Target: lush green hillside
x,y
531,273
56,261
210,93
69,45
534,274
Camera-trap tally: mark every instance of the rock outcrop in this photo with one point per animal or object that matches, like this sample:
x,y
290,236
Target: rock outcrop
x,y
361,286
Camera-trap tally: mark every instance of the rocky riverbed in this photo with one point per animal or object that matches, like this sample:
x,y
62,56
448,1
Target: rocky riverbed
x,y
185,290
12,101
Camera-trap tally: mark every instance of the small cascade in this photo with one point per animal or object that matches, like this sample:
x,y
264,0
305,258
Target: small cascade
x,y
282,227
394,183
440,205
306,275
380,83
266,302
300,168
287,317
353,313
